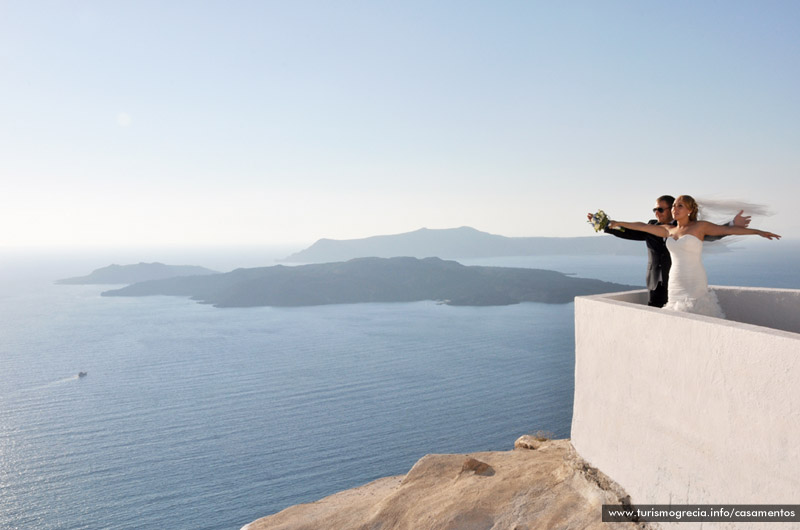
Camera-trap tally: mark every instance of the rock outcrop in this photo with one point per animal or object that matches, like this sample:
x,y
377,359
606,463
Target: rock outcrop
x,y
548,487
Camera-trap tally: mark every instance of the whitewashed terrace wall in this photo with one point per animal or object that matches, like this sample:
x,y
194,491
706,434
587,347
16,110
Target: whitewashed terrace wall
x,y
687,409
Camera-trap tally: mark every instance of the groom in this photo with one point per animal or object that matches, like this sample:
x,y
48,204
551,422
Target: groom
x,y
658,260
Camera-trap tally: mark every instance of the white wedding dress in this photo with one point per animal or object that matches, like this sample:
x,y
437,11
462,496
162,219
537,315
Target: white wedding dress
x,y
687,289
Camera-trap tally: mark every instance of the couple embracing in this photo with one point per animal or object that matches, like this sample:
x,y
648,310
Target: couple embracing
x,y
676,277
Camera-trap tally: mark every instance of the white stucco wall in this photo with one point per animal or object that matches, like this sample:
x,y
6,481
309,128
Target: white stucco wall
x,y
687,409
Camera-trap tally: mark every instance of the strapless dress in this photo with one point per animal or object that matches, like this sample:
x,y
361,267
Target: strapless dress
x,y
687,289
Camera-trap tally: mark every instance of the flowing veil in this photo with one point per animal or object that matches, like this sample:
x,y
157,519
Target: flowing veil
x,y
722,211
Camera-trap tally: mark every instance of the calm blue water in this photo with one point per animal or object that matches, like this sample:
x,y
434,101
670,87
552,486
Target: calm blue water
x,y
196,417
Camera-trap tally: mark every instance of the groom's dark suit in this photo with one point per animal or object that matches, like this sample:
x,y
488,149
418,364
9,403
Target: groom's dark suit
x,y
658,261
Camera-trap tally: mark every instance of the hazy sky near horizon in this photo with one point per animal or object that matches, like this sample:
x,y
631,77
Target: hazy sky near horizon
x,y
256,122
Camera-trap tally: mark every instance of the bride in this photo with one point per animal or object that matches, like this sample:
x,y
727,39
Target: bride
x,y
687,289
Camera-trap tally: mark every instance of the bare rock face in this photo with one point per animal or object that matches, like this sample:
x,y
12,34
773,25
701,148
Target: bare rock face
x,y
529,441
551,487
476,467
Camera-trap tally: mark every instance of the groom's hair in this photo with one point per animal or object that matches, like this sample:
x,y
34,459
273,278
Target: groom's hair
x,y
669,199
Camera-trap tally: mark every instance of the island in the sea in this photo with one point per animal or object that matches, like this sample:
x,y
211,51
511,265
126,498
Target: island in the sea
x,y
399,279
456,243
139,272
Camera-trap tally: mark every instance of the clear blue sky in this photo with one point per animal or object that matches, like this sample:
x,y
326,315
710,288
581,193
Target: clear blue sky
x,y
255,122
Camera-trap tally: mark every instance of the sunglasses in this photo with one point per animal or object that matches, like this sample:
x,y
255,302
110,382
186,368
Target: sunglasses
x,y
660,210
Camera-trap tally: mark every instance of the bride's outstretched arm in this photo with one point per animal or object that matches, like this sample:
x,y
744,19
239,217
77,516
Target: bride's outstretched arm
x,y
711,229
656,230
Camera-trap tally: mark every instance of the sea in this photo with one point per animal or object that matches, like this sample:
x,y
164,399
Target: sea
x,y
191,416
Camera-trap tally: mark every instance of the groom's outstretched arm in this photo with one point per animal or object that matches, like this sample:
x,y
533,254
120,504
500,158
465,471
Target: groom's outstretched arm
x,y
740,220
633,235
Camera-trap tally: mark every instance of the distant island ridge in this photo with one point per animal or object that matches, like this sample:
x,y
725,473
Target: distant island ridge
x,y
463,242
140,272
362,280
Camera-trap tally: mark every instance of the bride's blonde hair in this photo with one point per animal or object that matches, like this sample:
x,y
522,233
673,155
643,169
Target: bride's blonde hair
x,y
690,203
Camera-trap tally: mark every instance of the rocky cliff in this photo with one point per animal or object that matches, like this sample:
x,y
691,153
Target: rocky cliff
x,y
540,484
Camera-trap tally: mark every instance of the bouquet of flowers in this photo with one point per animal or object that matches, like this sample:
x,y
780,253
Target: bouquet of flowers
x,y
600,220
